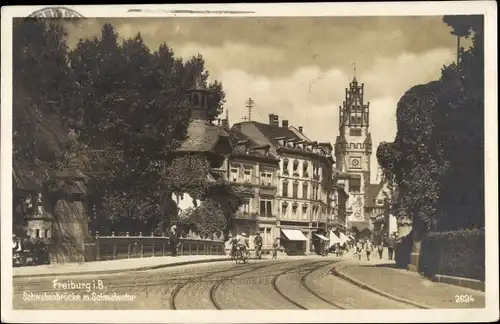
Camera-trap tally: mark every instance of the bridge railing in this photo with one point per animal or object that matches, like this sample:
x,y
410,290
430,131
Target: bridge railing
x,y
126,247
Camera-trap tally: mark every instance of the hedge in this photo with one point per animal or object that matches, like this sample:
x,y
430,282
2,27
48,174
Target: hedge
x,y
456,253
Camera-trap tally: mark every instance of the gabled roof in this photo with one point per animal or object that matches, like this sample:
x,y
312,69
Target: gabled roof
x,y
372,193
242,144
271,132
202,137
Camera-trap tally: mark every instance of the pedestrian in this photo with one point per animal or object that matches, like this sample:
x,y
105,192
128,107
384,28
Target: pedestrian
x,y
368,249
174,240
359,248
380,249
276,245
391,243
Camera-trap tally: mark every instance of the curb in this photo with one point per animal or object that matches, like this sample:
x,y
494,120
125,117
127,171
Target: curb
x,y
153,267
473,284
335,270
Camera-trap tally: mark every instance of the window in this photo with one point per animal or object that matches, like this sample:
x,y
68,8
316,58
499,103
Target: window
x,y
295,206
355,185
285,188
46,233
37,235
355,132
295,190
266,178
357,120
380,201
285,166
247,175
196,99
305,189
284,206
305,174
304,208
246,206
266,207
266,235
295,166
234,174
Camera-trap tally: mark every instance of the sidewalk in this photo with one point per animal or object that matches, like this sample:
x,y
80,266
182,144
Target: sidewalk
x,y
382,277
113,266
124,265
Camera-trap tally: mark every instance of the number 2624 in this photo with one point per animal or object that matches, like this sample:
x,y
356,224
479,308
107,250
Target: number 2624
x,y
464,299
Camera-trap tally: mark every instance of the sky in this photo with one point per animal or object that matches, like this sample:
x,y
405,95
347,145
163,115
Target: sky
x,y
299,67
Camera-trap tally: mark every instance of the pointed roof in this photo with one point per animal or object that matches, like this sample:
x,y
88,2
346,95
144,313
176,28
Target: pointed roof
x,y
197,83
202,137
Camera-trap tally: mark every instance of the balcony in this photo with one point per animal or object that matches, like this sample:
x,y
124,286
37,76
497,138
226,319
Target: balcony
x,y
268,190
246,215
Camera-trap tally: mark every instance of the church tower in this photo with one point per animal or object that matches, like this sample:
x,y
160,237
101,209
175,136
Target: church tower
x,y
353,149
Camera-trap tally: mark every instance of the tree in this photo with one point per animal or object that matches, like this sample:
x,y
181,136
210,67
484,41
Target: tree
x,y
133,113
436,159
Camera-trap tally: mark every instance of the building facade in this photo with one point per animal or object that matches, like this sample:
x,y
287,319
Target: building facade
x,y
353,150
253,170
302,201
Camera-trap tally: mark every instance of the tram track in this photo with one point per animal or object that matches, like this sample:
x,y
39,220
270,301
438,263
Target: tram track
x,y
214,302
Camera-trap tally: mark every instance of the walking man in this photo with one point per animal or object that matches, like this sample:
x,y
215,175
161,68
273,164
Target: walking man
x,y
368,249
391,243
276,245
380,249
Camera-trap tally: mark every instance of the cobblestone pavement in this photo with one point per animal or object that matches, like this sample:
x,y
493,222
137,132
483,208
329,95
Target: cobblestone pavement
x,y
261,284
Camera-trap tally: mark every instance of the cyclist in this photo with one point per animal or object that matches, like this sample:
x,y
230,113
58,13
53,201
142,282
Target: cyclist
x,y
257,241
243,244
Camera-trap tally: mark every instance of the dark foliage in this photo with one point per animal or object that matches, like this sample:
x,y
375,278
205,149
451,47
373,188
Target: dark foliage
x,y
455,253
116,111
436,161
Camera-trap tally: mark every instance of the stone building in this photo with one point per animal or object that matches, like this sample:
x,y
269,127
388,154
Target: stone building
x,y
353,150
302,201
377,209
253,170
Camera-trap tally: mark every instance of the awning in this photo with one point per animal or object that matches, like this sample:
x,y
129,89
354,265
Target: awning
x,y
343,238
322,237
334,239
294,235
351,237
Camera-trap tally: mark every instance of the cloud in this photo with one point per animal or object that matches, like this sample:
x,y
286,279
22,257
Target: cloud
x,y
317,110
299,68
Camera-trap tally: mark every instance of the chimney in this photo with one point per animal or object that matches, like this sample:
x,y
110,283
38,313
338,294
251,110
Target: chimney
x,y
225,124
284,123
301,129
271,119
276,121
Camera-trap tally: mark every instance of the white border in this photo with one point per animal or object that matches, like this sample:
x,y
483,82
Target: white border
x,y
490,313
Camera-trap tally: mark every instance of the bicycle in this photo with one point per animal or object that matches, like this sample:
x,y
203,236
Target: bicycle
x,y
258,252
240,256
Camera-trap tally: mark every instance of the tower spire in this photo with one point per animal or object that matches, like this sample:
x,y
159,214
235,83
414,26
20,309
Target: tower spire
x,y
354,71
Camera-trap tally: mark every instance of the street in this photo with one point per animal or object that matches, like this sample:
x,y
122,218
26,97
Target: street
x,y
265,284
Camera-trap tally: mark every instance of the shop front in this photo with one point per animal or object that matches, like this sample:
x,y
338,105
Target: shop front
x,y
320,242
293,241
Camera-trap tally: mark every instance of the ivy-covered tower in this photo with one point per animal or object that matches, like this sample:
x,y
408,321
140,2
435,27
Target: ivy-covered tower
x,y
353,149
